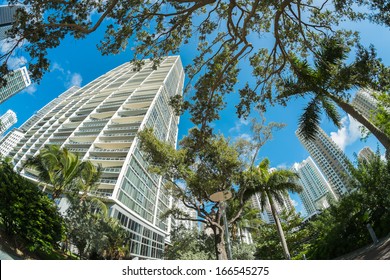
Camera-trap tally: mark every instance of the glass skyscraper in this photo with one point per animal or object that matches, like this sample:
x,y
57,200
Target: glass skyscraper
x,y
7,18
100,122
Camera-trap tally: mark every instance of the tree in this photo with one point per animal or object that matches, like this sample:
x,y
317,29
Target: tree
x,y
222,30
329,83
381,117
27,214
58,169
272,186
341,228
268,246
195,172
189,244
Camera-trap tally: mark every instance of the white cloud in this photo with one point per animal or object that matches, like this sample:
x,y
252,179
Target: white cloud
x,y
57,67
70,79
14,61
245,136
282,166
238,124
75,80
31,89
348,133
294,202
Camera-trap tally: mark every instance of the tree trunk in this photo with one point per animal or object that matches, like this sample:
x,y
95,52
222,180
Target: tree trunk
x,y
349,109
279,228
220,250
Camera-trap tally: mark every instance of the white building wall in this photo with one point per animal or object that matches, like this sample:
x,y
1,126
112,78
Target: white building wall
x,y
100,122
330,160
7,120
8,143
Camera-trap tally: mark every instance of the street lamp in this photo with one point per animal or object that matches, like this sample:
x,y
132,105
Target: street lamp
x,y
222,197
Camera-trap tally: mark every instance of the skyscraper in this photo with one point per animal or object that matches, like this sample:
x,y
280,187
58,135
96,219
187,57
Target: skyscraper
x,y
366,154
330,160
316,190
266,214
100,122
8,142
7,18
364,102
7,120
17,80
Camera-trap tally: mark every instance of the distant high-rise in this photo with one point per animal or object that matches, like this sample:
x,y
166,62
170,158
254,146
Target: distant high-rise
x,y
365,103
366,154
266,214
316,190
100,122
17,80
7,120
7,18
9,141
330,159
188,224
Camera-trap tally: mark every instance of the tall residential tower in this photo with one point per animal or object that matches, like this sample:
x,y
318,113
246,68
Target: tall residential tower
x,y
317,193
100,122
7,120
7,18
330,159
17,80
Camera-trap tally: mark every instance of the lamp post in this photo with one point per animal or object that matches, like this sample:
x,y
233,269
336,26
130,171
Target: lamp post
x,y
222,197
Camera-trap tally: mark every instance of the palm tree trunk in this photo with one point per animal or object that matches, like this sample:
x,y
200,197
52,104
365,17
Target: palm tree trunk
x,y
279,228
349,109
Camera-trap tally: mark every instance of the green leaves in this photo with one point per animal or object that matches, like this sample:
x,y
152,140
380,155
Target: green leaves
x,y
27,213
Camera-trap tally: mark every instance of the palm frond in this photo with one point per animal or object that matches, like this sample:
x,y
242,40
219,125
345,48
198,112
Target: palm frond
x,y
331,111
310,120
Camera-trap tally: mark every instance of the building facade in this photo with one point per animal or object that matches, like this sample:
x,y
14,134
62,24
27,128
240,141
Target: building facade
x,y
9,141
7,120
365,103
330,159
317,193
100,122
7,18
366,154
17,80
266,213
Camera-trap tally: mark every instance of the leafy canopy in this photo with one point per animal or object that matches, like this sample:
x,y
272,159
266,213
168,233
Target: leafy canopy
x,y
224,32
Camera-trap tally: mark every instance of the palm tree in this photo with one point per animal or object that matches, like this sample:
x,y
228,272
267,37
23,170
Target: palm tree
x,y
88,179
329,82
56,168
273,186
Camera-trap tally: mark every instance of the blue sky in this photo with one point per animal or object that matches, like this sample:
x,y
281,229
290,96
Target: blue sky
x,y
77,62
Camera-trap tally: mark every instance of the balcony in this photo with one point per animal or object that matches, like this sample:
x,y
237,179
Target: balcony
x,y
114,170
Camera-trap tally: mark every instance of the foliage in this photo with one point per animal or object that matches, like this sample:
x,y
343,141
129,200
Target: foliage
x,y
342,228
381,117
197,170
329,83
243,251
27,213
206,164
268,246
189,245
271,186
93,232
225,33
58,169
